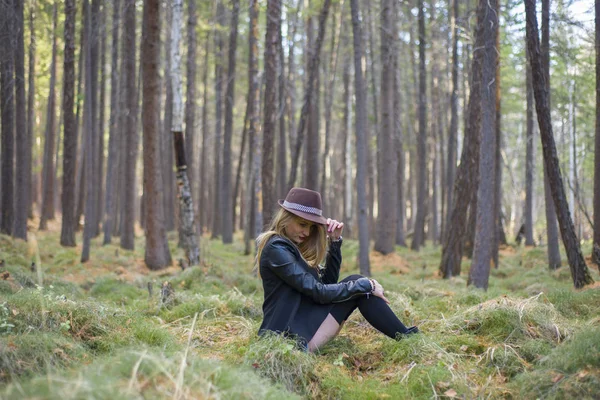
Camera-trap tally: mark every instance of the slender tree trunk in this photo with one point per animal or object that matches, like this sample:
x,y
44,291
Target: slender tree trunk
x,y
554,260
387,192
47,210
281,99
157,254
129,128
596,241
579,270
110,209
484,233
186,206
102,32
7,105
80,175
30,112
217,171
467,174
67,236
190,99
498,232
202,187
227,132
308,94
399,151
529,159
422,174
91,127
312,148
361,144
22,145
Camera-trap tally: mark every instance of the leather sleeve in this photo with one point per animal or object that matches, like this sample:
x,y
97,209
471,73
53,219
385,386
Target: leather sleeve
x,y
279,256
331,273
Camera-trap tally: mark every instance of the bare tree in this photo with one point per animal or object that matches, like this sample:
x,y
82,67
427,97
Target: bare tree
x,y
47,211
67,236
228,128
484,233
579,270
22,146
387,193
422,174
361,144
188,237
157,254
129,128
596,244
529,157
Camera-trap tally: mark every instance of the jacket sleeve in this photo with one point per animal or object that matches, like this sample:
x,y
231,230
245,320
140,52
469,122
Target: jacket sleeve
x,y
331,273
279,257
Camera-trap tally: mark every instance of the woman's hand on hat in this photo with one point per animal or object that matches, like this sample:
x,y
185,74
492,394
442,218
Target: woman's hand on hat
x,y
334,228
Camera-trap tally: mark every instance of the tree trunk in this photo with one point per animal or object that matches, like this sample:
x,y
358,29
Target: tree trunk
x,y
498,232
579,270
129,128
186,206
529,159
91,128
227,228
467,173
313,68
596,241
282,112
67,236
202,192
8,117
453,131
361,144
22,146
554,261
217,224
485,228
312,149
422,174
101,32
399,152
387,193
110,209
30,113
157,254
47,210
190,99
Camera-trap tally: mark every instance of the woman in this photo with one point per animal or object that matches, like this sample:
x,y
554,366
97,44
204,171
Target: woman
x,y
301,298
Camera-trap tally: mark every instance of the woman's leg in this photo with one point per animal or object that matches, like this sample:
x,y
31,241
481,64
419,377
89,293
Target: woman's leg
x,y
375,310
327,331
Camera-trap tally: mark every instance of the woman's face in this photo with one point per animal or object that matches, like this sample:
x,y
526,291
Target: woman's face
x,y
298,230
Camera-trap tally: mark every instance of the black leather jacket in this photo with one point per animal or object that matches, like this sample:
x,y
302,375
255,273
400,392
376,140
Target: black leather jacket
x,y
297,299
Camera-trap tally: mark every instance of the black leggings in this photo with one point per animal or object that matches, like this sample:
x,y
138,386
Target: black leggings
x,y
373,308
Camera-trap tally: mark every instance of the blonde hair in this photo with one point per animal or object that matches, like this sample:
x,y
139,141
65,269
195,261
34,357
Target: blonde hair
x,y
313,250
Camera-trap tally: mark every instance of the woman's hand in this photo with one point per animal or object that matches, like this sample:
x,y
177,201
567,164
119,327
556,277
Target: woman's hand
x,y
378,291
334,228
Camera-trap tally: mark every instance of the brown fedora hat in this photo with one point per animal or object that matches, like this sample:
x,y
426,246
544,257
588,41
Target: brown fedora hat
x,y
304,203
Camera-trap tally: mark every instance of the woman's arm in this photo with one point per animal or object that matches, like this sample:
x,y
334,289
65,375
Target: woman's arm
x,y
280,258
333,262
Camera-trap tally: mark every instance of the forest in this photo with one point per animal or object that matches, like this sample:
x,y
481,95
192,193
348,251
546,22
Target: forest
x,y
145,144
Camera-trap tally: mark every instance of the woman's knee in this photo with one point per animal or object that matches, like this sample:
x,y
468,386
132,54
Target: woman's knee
x,y
352,278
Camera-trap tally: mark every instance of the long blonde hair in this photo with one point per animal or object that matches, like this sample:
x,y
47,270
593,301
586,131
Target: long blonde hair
x,y
313,250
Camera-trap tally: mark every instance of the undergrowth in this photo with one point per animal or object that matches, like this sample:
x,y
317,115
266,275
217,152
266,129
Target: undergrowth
x,y
101,329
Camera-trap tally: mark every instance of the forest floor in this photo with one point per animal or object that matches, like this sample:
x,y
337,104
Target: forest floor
x,y
70,330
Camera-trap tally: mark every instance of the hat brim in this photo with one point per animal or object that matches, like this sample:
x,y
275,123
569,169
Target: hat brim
x,y
317,219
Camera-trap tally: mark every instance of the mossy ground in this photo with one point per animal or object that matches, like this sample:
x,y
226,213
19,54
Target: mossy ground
x,y
72,330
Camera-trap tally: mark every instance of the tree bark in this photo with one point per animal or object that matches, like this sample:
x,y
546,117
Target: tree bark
x,y
157,254
579,271
47,209
529,158
7,105
312,148
554,261
485,228
22,146
227,233
387,193
129,133
110,208
202,192
596,240
361,144
167,137
467,174
190,99
189,238
30,112
422,174
67,236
